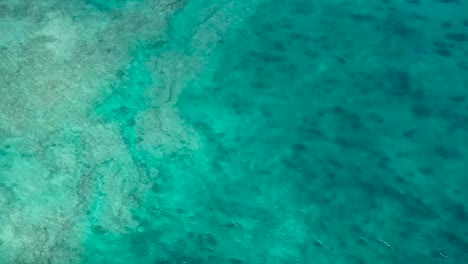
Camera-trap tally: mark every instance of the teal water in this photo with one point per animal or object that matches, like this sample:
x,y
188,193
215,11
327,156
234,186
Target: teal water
x,y
200,131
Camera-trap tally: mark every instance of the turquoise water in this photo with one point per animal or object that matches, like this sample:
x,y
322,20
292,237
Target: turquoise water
x,y
200,131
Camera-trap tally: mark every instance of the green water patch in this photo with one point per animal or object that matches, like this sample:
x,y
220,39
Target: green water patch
x,y
287,117
128,98
121,106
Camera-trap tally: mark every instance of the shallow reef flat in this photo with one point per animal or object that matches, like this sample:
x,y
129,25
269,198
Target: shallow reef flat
x,y
233,132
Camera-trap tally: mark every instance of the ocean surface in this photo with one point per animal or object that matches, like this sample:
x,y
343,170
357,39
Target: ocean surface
x,y
233,132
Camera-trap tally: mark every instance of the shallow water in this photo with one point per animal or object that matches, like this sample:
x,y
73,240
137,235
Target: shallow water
x,y
200,131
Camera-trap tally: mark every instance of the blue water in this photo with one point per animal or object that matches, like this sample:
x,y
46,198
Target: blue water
x,y
233,131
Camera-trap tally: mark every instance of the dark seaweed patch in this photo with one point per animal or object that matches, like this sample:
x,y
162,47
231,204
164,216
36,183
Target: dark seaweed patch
x,y
455,240
399,82
446,24
443,52
409,133
449,1
458,99
458,37
421,111
426,170
447,152
459,212
361,17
